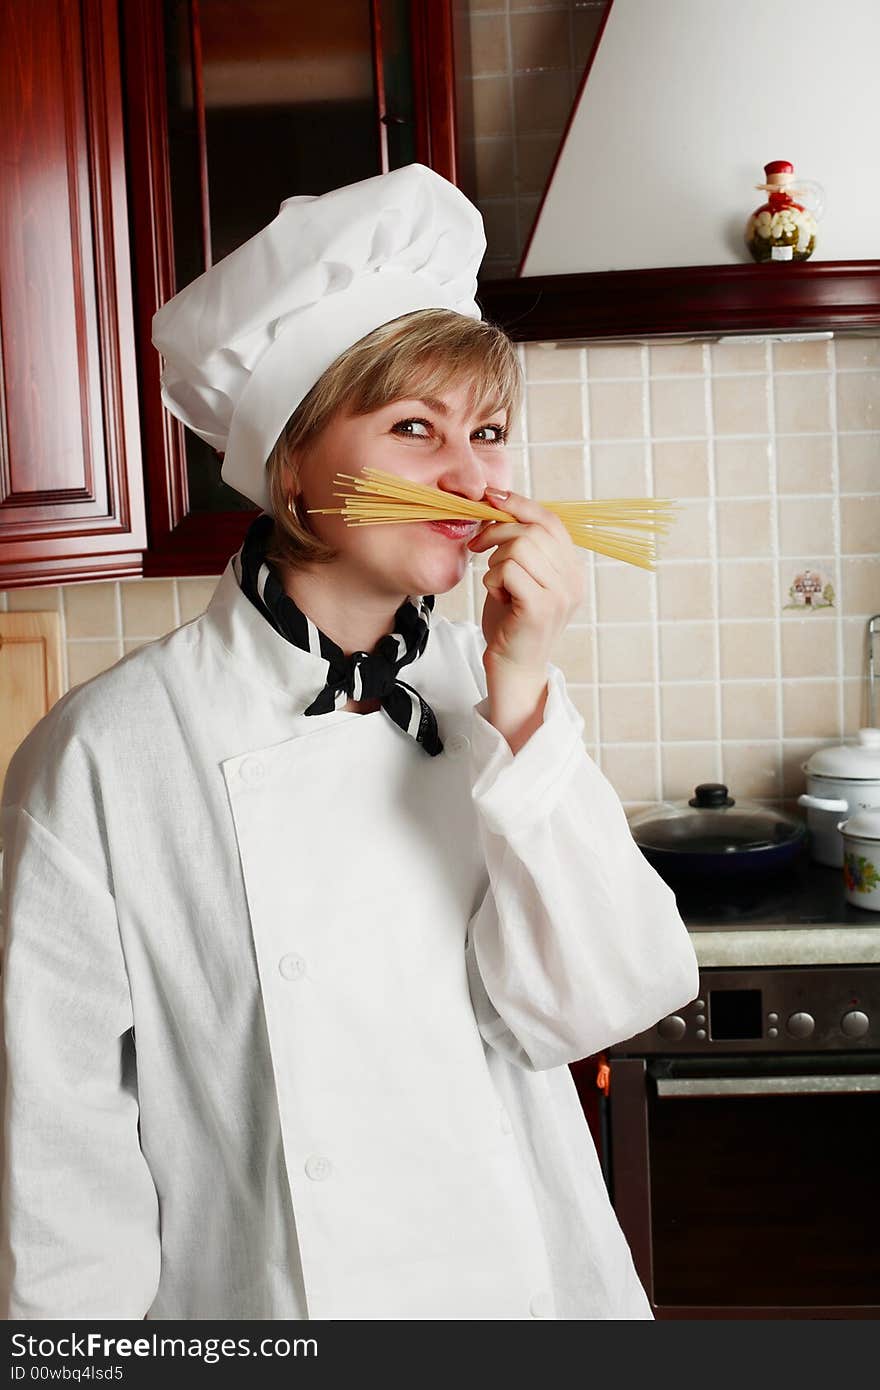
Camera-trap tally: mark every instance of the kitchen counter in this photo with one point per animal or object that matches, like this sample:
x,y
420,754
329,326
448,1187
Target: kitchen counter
x,y
788,946
799,917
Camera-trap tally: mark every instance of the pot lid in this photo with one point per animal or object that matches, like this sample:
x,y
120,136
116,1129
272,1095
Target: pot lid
x,y
713,822
859,761
864,825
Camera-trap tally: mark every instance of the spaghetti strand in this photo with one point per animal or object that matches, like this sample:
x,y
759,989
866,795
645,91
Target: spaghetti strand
x,y
378,498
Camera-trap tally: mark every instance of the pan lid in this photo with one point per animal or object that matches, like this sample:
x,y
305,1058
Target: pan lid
x,y
714,822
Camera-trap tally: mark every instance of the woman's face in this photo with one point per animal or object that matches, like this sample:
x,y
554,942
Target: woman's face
x,y
440,443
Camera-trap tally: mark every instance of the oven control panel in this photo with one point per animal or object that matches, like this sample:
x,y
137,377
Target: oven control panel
x,y
771,1009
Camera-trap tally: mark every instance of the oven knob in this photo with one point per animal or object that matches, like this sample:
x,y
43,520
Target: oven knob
x,y
801,1025
672,1028
855,1024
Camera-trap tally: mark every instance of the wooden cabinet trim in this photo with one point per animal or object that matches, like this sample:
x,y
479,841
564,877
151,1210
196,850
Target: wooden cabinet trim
x,y
705,301
91,505
153,257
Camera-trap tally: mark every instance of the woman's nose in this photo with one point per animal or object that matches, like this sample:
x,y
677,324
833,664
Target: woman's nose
x,y
462,472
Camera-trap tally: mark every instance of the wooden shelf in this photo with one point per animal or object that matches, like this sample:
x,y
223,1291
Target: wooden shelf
x,y
704,301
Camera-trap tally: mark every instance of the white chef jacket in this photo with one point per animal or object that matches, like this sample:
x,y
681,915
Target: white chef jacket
x,y
288,1004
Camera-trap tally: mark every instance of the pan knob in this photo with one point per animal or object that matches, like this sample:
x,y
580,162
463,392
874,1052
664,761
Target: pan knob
x,y
711,794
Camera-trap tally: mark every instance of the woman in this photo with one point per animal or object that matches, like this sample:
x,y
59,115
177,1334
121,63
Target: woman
x,y
310,902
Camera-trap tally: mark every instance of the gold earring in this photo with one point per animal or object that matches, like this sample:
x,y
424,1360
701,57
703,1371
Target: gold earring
x,y
291,507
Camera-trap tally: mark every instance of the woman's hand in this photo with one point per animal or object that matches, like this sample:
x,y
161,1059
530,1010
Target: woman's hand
x,y
534,583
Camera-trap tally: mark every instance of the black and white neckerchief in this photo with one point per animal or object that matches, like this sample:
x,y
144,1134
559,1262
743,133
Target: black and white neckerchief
x,y
361,676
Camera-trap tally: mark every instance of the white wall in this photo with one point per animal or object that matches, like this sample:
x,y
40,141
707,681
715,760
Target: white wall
x,y
686,102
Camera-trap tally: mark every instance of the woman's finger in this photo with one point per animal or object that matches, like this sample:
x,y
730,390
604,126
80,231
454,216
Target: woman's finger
x,y
492,532
509,579
527,552
501,533
528,510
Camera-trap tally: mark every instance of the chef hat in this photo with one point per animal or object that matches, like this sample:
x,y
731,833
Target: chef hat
x,y
245,342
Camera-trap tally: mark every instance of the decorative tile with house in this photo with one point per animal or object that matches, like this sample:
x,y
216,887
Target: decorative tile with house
x,y
809,591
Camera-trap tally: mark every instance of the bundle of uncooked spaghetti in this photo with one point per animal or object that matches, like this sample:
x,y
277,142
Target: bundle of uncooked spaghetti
x,y
601,526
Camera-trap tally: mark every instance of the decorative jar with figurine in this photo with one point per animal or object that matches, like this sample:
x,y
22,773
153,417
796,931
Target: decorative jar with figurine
x,y
782,229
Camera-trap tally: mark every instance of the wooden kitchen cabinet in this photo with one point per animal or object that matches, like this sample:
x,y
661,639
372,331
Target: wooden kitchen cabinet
x,y
70,462
231,107
107,208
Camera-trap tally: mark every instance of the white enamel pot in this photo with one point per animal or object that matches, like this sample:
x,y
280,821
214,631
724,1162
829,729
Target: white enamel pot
x,y
841,780
861,859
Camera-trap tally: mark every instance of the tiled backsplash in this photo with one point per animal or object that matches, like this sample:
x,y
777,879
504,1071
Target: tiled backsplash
x,y
715,667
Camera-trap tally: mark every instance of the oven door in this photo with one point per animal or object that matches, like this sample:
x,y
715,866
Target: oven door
x,y
750,1186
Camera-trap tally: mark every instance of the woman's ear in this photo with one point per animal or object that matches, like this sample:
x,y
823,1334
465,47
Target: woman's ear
x,y
293,474
295,465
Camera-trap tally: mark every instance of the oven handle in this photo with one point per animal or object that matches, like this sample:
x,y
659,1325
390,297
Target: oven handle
x,y
764,1085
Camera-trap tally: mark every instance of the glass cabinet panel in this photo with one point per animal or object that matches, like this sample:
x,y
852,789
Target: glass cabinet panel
x,y
518,67
267,99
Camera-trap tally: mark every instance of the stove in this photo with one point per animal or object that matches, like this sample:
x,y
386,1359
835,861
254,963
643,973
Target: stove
x,y
806,894
742,1131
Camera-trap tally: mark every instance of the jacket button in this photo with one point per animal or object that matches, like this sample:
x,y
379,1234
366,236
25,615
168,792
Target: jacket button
x,y
506,1126
251,770
292,966
318,1167
541,1306
456,745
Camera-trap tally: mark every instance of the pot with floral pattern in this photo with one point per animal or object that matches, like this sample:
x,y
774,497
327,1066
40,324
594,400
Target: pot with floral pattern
x,y
861,859
782,229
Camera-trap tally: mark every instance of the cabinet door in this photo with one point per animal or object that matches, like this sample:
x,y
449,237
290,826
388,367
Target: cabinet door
x,y
232,106
71,480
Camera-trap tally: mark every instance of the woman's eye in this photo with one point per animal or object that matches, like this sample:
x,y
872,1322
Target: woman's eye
x,y
499,431
400,428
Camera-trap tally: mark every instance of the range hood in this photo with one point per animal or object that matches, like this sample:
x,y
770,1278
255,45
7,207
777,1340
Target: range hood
x,y
640,228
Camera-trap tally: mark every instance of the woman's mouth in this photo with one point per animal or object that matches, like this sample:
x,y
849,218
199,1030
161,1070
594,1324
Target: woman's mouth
x,y
455,530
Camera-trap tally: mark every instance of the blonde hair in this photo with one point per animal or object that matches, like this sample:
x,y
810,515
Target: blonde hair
x,y
420,354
